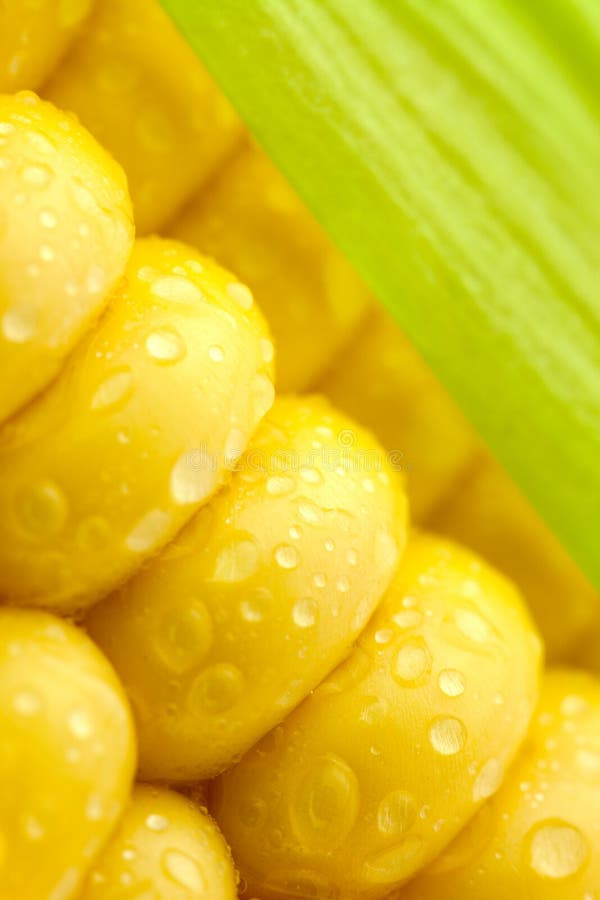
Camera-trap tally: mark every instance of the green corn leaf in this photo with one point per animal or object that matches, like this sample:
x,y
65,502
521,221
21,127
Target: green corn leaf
x,y
452,149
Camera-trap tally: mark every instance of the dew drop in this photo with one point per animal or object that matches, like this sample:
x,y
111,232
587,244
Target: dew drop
x,y
394,864
80,724
396,813
325,808
240,294
472,626
184,871
236,561
310,475
447,735
217,688
488,780
451,682
165,346
557,849
115,389
309,512
27,703
286,556
413,662
42,508
149,532
193,478
48,219
176,290
280,485
38,176
235,444
263,394
216,353
156,822
185,636
305,613
19,325
267,351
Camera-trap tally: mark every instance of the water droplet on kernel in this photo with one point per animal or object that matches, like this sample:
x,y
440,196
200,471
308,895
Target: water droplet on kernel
x,y
447,735
184,871
305,613
19,325
176,289
216,353
235,444
451,682
488,780
472,625
267,351
193,478
237,560
280,485
38,176
80,724
240,294
115,389
48,219
94,809
149,532
325,808
394,864
156,822
396,813
287,556
185,636
557,849
42,508
413,662
311,475
217,688
165,345
309,512
263,393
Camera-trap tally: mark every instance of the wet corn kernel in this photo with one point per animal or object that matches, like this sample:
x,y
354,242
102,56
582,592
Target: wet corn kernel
x,y
99,472
260,596
488,512
66,755
384,383
65,234
378,770
164,849
34,34
252,221
538,839
136,84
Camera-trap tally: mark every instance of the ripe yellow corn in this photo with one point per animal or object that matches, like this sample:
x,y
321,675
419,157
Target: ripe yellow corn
x,y
260,597
66,755
369,779
65,233
538,838
164,848
383,382
139,88
454,485
253,222
99,472
489,513
34,34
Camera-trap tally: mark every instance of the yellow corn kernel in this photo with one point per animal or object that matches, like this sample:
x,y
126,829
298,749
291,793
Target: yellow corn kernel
x,y
66,231
101,470
384,383
260,596
538,838
490,514
66,755
136,84
164,847
34,34
369,779
252,221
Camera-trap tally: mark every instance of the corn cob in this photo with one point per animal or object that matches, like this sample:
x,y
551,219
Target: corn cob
x,y
134,82
34,34
251,220
66,758
388,759
538,838
260,597
476,622
65,234
178,325
164,847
